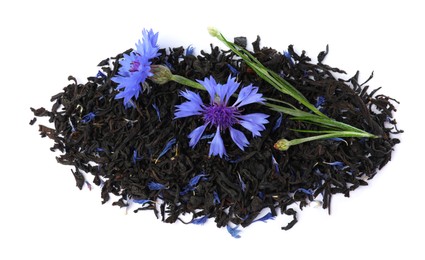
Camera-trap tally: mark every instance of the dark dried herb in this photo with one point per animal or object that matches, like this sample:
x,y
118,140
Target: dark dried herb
x,y
129,154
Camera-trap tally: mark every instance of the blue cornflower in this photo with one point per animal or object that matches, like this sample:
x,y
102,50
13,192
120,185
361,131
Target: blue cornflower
x,y
217,113
136,67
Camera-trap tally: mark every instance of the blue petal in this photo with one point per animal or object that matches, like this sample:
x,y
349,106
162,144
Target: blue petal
x,y
158,112
156,186
231,87
148,47
191,107
248,95
189,50
243,185
239,138
306,191
234,231
209,85
216,199
194,181
278,123
217,145
254,122
199,221
265,218
196,134
142,201
167,147
232,69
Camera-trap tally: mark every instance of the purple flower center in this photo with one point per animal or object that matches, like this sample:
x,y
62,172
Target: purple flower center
x,y
221,116
134,66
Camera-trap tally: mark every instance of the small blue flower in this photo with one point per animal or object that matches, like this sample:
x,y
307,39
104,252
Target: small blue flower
x,y
222,116
234,231
88,118
136,67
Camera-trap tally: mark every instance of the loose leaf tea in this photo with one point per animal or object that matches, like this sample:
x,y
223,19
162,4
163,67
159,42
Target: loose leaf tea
x,y
139,151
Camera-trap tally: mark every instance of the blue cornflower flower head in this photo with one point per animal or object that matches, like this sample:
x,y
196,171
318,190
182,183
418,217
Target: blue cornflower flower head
x,y
136,67
217,113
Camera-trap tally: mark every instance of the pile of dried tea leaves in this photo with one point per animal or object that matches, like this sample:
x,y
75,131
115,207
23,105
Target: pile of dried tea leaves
x,y
143,156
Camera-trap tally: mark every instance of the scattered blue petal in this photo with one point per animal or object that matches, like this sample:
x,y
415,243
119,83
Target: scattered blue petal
x,y
306,191
167,147
142,201
156,186
101,74
200,221
265,218
337,164
168,64
157,111
278,123
320,100
192,183
136,157
243,185
207,136
71,124
216,199
261,195
337,139
275,165
189,50
233,70
88,185
87,118
234,231
288,57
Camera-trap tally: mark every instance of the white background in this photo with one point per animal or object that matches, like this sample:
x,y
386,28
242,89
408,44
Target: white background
x,y
44,216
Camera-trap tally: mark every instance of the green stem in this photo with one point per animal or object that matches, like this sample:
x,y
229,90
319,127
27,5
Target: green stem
x,y
187,82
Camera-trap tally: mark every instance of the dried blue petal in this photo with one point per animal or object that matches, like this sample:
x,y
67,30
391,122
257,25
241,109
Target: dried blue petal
x,y
320,100
71,124
167,147
278,123
168,64
156,186
216,199
100,149
243,186
189,50
207,136
288,57
192,183
199,221
337,164
101,74
136,157
232,69
275,165
234,231
142,201
88,185
261,195
306,191
158,114
265,218
87,118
